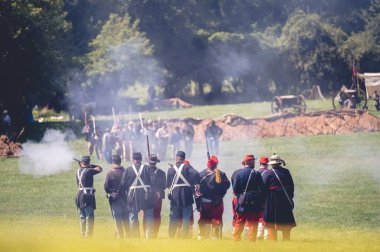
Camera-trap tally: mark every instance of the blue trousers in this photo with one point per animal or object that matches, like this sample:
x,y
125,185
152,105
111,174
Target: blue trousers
x,y
120,216
134,222
177,214
86,216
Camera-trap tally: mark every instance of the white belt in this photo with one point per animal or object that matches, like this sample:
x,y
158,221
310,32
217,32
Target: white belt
x,y
139,187
181,185
87,190
206,200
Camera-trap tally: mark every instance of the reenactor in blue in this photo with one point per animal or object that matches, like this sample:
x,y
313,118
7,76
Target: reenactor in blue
x,y
85,199
136,182
117,199
158,189
182,180
213,187
248,187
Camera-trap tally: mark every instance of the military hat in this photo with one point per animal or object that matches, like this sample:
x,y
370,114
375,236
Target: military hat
x,y
86,159
116,159
137,156
153,159
264,160
181,154
247,158
275,159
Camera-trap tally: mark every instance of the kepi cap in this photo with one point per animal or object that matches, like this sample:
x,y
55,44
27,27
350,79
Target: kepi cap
x,y
153,159
181,154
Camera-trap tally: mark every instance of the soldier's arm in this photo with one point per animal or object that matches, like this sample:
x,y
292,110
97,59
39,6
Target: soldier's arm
x,y
106,188
169,179
162,181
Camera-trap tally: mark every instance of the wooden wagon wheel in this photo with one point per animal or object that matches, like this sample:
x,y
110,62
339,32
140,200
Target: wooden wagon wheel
x,y
276,105
301,103
361,99
338,99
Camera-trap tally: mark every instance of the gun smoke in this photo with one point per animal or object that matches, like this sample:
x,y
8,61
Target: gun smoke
x,y
50,156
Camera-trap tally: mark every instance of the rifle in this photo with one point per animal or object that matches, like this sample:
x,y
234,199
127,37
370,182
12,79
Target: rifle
x,y
113,114
94,125
208,152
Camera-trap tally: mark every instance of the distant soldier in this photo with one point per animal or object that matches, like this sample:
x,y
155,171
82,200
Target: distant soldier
x,y
248,188
98,143
213,133
176,138
6,123
162,136
137,183
85,199
158,180
213,186
181,181
88,131
279,204
188,138
262,232
117,198
108,145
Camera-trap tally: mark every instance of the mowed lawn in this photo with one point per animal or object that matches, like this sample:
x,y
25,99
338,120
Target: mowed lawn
x,y
337,187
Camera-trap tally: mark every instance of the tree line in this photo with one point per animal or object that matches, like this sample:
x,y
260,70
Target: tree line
x,y
53,51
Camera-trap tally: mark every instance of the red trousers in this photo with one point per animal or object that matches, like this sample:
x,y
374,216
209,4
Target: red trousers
x,y
211,214
249,219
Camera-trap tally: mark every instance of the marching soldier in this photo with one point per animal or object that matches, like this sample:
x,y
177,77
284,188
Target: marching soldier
x,y
181,180
117,199
213,186
162,135
85,199
136,181
213,133
248,188
158,189
278,212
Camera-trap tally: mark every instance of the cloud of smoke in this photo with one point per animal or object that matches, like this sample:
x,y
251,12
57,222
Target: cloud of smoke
x,y
50,156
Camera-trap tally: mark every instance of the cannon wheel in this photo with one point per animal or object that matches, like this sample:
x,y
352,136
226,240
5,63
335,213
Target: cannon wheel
x,y
276,105
338,99
301,103
361,100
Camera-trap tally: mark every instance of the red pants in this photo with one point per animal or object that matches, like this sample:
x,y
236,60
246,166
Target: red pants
x,y
249,219
211,214
156,217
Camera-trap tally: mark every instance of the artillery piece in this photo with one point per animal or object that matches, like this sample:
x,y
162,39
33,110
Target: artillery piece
x,y
296,102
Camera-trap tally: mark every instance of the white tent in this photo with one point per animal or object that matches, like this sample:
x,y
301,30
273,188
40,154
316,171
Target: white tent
x,y
372,83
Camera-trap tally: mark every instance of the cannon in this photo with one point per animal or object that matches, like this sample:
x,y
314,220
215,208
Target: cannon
x,y
295,102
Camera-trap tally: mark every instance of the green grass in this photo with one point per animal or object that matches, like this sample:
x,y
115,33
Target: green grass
x,y
336,195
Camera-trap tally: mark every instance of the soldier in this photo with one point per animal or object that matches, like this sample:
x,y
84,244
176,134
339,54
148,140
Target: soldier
x,y
162,136
213,186
376,99
181,180
158,189
108,143
98,134
213,133
278,212
262,232
85,199
117,199
136,181
188,137
176,138
7,123
248,187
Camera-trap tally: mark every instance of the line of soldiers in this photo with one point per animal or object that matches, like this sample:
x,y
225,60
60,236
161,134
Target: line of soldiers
x,y
264,196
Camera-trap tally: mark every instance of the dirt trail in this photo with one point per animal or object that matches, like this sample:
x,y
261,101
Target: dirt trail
x,y
316,123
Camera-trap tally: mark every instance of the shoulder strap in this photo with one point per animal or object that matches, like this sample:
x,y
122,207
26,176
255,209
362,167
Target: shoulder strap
x,y
249,178
138,177
79,176
282,185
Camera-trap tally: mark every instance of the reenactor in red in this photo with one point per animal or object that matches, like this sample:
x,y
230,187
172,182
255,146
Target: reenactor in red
x,y
117,199
158,180
213,187
248,188
262,232
85,199
278,212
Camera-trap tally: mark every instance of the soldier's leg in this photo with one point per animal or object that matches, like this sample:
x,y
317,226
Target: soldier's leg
x,y
90,218
134,223
156,217
239,226
187,212
272,234
148,216
253,220
82,222
117,217
173,220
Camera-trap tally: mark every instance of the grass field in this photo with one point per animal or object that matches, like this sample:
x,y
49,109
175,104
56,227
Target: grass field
x,y
337,187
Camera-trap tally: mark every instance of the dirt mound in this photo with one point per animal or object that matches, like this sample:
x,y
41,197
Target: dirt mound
x,y
317,123
8,148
